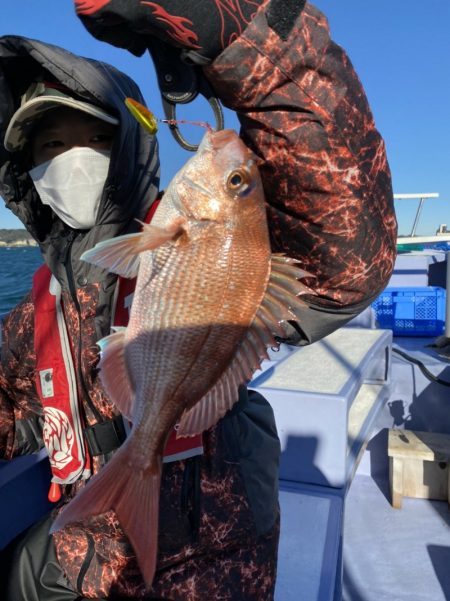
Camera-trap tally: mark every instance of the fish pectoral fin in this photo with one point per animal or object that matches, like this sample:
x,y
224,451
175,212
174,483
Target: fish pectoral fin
x,y
114,372
154,236
121,255
118,255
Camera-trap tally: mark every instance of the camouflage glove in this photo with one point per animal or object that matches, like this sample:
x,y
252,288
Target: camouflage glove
x,y
204,26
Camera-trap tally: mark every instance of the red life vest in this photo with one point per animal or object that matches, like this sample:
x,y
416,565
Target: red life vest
x,y
56,381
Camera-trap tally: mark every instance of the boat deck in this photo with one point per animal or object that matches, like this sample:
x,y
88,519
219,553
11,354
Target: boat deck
x,y
383,553
394,554
399,554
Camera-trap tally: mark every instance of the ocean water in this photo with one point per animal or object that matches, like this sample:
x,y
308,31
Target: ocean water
x,y
17,266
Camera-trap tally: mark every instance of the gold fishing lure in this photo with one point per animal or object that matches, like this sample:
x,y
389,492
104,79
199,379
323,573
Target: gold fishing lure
x,y
141,113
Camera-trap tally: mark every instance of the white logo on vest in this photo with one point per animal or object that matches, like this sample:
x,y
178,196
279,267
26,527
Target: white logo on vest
x,y
58,437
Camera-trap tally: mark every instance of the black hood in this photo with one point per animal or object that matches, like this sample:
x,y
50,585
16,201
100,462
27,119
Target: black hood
x,y
132,184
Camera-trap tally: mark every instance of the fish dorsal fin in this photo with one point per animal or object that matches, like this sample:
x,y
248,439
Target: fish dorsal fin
x,y
114,373
279,304
121,255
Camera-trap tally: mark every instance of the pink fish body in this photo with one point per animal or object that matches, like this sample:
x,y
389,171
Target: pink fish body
x,y
209,300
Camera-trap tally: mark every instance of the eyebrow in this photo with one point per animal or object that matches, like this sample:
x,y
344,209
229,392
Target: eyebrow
x,y
47,129
57,127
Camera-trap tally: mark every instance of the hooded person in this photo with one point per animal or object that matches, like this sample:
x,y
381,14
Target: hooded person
x,y
77,168
329,204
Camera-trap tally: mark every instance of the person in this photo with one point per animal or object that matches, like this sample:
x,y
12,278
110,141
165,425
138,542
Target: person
x,y
329,203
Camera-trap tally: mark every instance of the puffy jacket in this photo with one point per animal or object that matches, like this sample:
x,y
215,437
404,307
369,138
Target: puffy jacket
x,y
235,481
329,202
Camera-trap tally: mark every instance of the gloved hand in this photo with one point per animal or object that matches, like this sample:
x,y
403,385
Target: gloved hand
x,y
205,26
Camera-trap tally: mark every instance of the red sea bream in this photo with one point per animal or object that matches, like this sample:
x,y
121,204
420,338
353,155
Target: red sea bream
x,y
210,298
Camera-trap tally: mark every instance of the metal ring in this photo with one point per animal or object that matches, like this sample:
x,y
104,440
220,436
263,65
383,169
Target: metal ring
x,y
170,111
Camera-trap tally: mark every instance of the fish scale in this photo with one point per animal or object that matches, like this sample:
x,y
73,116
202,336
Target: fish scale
x,y
209,299
178,285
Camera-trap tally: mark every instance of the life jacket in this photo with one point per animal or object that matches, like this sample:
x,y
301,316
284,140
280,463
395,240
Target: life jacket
x,y
57,384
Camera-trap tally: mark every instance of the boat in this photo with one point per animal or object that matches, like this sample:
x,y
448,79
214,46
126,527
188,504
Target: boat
x,y
364,423
442,233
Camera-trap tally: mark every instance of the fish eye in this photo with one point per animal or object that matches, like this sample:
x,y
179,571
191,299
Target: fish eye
x,y
238,181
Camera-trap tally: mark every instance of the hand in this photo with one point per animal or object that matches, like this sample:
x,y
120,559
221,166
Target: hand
x,y
205,26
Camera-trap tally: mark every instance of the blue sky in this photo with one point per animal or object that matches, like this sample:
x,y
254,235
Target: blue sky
x,y
400,49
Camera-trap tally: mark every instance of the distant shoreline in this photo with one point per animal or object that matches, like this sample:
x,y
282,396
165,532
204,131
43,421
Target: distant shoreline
x,y
16,238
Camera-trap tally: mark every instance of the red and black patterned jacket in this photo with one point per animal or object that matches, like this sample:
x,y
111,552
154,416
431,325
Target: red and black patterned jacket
x,y
329,201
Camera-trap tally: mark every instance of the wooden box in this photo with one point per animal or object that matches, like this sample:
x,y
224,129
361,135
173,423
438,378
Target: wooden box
x,y
418,465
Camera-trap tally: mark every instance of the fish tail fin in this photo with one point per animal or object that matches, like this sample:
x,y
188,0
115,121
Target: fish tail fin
x,y
138,513
134,496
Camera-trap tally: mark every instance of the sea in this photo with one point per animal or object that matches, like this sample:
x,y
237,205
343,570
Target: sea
x,y
17,265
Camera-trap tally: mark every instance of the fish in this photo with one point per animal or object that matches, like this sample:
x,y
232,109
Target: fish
x,y
210,299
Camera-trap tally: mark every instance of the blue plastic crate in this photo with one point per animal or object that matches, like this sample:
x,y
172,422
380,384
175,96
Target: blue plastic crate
x,y
411,311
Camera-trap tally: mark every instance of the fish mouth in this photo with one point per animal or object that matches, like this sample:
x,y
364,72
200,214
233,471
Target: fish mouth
x,y
221,138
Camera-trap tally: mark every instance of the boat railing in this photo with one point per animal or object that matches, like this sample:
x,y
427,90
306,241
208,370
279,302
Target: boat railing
x,y
441,234
422,197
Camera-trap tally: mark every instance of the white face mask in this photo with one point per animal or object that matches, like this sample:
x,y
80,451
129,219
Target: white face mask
x,y
72,185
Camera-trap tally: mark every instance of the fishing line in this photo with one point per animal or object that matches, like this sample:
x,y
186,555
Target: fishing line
x,y
172,123
422,367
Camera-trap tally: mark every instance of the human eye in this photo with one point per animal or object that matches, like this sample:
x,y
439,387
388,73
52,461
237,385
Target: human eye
x,y
102,138
51,143
45,148
101,135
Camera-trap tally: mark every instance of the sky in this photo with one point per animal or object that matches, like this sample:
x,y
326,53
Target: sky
x,y
400,50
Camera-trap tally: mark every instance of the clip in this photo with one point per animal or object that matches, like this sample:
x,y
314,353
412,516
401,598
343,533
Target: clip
x,y
180,82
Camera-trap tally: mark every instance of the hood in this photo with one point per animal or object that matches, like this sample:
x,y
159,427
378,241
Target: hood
x,y
132,183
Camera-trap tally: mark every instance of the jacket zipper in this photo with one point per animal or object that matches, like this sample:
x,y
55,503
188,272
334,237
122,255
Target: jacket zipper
x,y
67,262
